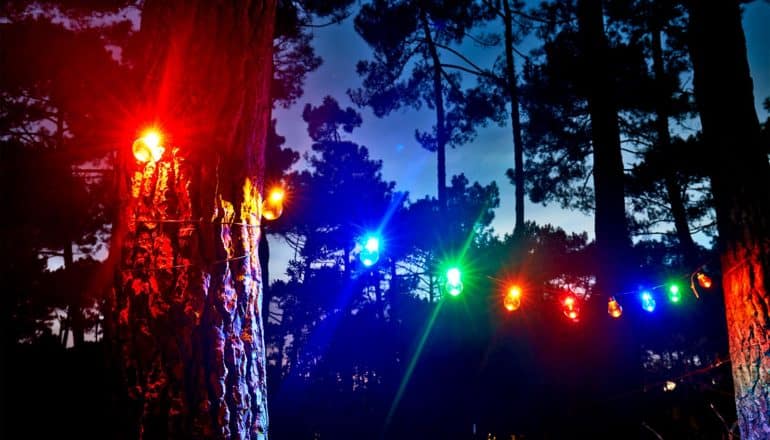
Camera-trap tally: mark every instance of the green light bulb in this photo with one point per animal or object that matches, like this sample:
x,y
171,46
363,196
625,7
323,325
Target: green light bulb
x,y
454,284
674,293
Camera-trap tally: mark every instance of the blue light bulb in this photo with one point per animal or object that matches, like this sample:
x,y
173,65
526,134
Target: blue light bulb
x,y
370,250
648,302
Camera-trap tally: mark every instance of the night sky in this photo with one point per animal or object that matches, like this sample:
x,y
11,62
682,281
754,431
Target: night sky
x,y
391,139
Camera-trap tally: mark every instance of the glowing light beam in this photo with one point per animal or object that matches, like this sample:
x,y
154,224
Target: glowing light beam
x,y
410,368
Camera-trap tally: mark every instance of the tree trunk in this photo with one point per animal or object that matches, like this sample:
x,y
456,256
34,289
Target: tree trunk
x,y
393,291
438,94
378,294
75,319
513,96
264,264
612,239
618,369
662,112
187,317
739,180
431,297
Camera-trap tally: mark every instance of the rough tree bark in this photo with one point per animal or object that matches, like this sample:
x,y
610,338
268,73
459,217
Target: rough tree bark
x,y
187,311
739,179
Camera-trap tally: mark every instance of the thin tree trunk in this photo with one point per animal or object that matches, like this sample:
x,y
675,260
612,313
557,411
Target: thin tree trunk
x,y
264,264
513,96
74,313
438,94
187,315
739,180
620,371
662,106
393,291
431,285
68,324
612,239
64,330
75,320
378,294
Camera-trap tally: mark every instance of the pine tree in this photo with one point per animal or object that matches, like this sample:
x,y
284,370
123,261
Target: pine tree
x,y
187,313
413,35
740,173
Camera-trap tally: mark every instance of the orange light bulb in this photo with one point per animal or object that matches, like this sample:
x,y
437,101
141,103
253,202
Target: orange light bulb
x,y
614,309
148,147
272,206
704,280
512,300
276,195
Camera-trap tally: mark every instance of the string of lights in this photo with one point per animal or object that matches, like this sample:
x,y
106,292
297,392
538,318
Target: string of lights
x,y
149,148
192,221
571,302
185,266
647,299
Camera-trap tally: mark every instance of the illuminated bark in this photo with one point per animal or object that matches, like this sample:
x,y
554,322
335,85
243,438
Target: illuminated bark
x,y
739,179
187,314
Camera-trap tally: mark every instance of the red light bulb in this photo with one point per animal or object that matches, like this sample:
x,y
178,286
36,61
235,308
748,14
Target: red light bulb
x,y
570,307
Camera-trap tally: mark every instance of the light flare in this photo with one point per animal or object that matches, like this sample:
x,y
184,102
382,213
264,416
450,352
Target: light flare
x,y
571,307
272,206
512,300
148,148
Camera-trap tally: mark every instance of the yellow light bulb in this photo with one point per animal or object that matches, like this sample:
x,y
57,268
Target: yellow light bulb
x,y
272,206
614,309
512,300
148,147
276,195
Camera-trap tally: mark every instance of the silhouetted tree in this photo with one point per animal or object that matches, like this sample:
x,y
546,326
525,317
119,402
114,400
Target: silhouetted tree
x,y
340,172
412,35
58,96
664,190
612,238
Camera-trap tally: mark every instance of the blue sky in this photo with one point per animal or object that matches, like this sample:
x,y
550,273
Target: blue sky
x,y
391,139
